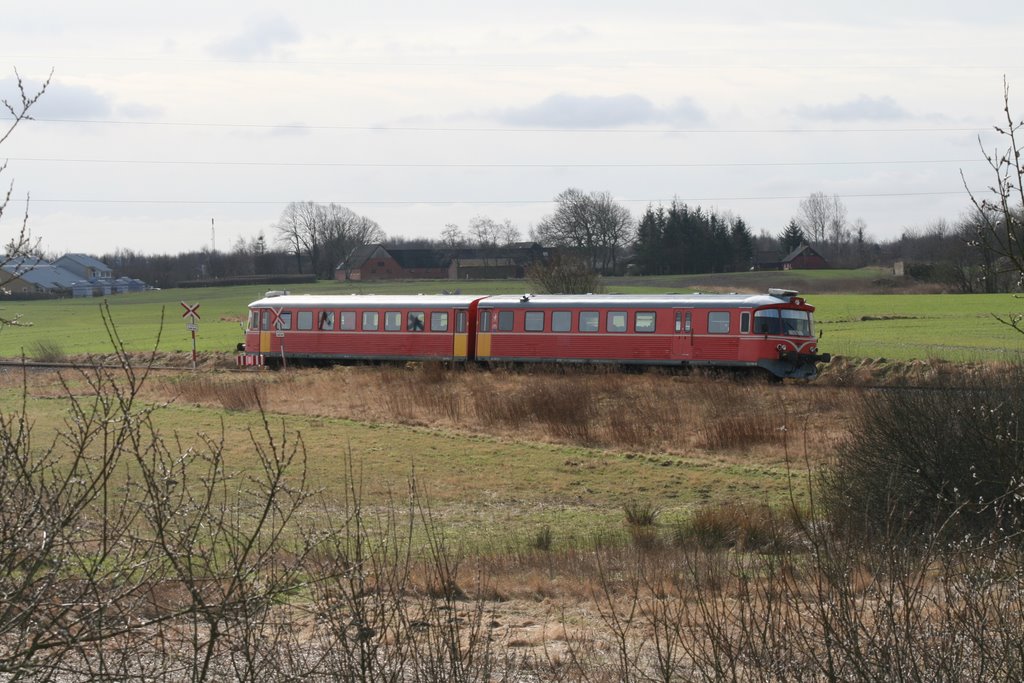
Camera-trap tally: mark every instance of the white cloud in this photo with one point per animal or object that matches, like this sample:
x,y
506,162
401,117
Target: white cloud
x,y
862,108
258,39
598,111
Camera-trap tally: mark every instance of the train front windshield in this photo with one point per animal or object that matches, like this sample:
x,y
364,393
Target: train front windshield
x,y
786,321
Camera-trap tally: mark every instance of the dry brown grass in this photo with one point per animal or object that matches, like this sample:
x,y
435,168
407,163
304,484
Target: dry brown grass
x,y
652,412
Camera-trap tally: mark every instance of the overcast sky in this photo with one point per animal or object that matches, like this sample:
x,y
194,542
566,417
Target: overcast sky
x,y
180,126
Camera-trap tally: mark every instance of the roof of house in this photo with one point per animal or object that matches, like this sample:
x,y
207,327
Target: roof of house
x,y
801,250
86,261
46,276
420,258
360,255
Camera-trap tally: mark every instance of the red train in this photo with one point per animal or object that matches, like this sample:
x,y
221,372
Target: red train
x,y
770,331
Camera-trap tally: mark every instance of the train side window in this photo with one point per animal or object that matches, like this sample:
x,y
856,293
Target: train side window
x,y
744,322
304,320
414,321
644,321
326,320
616,321
485,321
766,321
561,321
348,320
392,321
284,321
718,322
506,321
460,321
534,321
589,321
371,321
439,321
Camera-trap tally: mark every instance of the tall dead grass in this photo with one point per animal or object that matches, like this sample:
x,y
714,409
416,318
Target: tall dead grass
x,y
651,412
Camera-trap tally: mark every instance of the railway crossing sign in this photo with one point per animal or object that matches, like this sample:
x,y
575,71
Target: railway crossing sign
x,y
192,313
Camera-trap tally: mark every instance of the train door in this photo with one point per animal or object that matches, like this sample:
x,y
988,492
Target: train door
x,y
462,337
265,333
682,333
483,335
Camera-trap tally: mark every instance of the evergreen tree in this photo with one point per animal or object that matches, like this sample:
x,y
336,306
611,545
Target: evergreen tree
x,y
649,246
719,246
792,237
742,243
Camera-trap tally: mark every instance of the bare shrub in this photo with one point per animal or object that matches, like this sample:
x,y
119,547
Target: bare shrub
x,y
231,395
921,459
641,513
47,351
732,525
740,432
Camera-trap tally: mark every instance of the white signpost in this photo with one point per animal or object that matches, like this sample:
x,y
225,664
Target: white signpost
x,y
192,313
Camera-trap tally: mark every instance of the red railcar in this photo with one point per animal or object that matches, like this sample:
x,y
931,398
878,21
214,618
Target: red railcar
x,y
358,327
773,332
769,331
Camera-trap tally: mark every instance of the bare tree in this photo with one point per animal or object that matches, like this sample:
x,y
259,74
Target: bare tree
x,y
452,237
21,244
342,231
822,218
326,234
592,223
998,220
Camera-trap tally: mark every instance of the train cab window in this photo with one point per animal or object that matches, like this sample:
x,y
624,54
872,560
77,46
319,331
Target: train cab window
x,y
744,322
284,321
414,321
718,322
796,323
439,321
589,321
326,320
561,321
371,321
392,321
460,321
616,321
254,320
347,321
534,321
265,324
506,321
767,321
644,321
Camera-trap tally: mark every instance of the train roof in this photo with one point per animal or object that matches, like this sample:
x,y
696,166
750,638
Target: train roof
x,y
638,300
773,298
365,300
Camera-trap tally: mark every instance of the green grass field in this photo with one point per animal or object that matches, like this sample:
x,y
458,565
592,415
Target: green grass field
x,y
895,326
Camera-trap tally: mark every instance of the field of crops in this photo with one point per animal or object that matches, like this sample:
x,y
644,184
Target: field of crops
x,y
894,326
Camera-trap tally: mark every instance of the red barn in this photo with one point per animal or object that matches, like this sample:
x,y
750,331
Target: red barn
x,y
804,257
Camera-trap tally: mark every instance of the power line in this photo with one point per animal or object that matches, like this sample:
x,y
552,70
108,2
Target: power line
x,y
346,164
623,65
185,202
498,129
